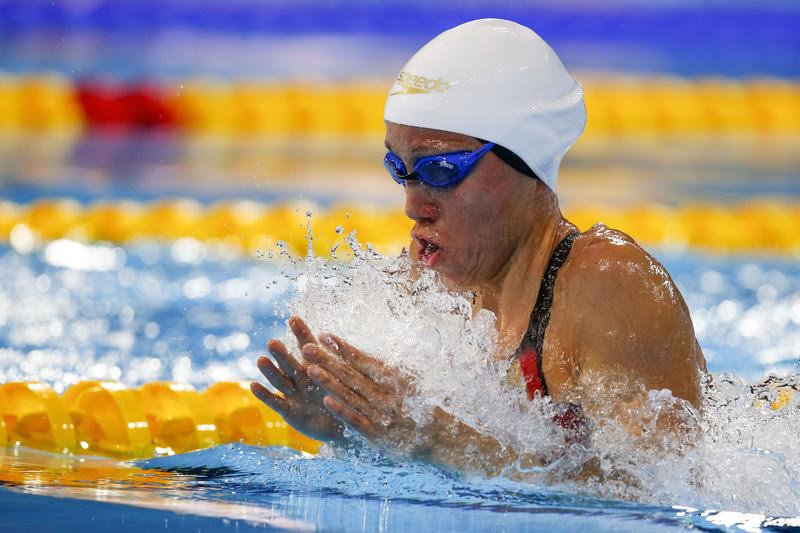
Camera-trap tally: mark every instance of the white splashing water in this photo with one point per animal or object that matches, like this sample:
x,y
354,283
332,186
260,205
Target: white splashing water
x,y
741,457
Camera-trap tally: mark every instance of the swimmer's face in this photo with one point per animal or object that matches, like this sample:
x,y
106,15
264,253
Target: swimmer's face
x,y
469,231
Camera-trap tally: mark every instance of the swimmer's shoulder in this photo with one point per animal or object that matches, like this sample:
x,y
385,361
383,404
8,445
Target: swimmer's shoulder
x,y
606,254
610,277
592,296
624,310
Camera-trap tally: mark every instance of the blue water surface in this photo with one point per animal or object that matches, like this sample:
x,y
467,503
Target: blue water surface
x,y
188,312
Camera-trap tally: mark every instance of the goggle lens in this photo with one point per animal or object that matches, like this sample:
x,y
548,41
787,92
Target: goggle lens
x,y
393,167
437,171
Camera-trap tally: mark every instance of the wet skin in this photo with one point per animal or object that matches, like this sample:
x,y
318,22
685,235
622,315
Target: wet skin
x,y
617,316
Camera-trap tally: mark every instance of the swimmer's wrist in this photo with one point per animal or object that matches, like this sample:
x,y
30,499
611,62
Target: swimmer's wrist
x,y
454,444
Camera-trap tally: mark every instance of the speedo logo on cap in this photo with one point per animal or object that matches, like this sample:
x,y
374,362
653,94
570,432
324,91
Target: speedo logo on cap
x,y
414,84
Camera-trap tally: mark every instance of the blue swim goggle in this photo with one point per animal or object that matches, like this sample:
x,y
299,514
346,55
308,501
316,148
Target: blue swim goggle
x,y
440,170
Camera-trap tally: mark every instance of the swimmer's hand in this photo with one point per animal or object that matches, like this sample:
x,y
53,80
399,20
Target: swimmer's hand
x,y
300,402
367,395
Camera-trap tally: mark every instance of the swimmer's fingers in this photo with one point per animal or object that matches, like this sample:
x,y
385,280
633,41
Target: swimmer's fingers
x,y
286,362
343,372
345,394
273,401
369,366
301,331
352,418
275,376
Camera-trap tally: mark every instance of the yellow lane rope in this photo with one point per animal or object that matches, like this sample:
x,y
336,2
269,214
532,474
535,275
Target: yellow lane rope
x,y
161,418
254,228
617,106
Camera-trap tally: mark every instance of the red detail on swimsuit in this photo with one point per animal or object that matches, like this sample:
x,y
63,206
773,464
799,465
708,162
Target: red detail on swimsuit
x,y
573,421
572,418
530,372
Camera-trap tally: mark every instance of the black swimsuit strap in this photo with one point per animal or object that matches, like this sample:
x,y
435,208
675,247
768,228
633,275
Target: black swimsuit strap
x,y
541,311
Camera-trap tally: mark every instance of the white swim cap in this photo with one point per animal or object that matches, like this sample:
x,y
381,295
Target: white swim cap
x,y
495,80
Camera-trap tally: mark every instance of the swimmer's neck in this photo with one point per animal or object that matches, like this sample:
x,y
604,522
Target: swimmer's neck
x,y
512,294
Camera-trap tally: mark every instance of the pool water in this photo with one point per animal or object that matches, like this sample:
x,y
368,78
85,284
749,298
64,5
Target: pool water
x,y
243,488
194,313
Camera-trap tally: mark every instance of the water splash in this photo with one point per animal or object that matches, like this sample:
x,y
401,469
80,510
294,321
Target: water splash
x,y
137,322
738,453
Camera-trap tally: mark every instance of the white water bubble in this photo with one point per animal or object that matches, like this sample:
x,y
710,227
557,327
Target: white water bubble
x,y
700,322
122,340
767,294
56,328
188,250
430,333
750,326
728,310
712,282
151,330
235,289
43,283
794,312
73,255
218,372
210,342
126,315
22,239
240,341
198,287
750,276
182,369
247,366
777,280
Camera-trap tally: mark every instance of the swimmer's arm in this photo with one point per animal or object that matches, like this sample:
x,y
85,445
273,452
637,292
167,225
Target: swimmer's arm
x,y
641,340
368,396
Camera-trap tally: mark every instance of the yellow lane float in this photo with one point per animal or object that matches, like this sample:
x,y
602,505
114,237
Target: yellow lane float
x,y
618,106
106,418
35,416
240,417
179,418
749,227
109,419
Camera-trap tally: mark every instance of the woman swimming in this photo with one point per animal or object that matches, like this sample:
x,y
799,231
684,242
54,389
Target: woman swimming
x,y
476,126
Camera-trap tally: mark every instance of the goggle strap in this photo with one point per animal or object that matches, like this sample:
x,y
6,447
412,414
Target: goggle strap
x,y
511,159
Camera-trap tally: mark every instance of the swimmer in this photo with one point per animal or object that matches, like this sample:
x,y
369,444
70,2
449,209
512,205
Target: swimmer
x,y
477,123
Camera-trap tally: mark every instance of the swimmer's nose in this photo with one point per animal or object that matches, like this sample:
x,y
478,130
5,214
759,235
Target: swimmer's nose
x,y
420,205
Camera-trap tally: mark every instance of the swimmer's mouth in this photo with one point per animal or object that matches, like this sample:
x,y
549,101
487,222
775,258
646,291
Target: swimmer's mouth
x,y
429,252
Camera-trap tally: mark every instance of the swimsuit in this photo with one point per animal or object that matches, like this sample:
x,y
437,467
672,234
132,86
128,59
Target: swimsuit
x,y
529,352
